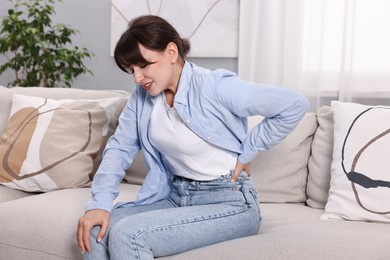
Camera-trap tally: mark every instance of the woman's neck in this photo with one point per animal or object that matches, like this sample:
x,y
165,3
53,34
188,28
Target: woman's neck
x,y
171,92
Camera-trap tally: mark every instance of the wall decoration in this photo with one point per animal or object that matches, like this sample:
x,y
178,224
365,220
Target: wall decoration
x,y
210,25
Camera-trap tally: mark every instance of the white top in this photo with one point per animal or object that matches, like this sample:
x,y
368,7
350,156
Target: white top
x,y
187,154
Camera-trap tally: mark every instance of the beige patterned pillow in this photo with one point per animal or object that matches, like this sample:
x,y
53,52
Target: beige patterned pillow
x,y
52,144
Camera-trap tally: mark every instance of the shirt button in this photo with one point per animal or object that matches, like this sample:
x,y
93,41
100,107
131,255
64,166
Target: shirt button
x,y
187,121
208,137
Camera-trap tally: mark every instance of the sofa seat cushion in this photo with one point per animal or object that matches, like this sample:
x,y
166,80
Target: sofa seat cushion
x,y
288,231
294,231
8,194
44,226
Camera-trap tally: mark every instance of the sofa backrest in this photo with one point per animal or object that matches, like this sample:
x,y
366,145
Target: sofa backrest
x,y
280,174
318,182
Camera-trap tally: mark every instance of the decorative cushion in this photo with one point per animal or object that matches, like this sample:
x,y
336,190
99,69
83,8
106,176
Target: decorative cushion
x,y
52,144
360,180
318,181
54,93
280,174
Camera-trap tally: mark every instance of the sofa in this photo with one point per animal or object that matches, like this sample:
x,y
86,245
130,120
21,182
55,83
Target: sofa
x,y
294,181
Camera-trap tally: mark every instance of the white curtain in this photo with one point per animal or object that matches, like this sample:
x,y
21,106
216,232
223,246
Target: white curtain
x,y
326,49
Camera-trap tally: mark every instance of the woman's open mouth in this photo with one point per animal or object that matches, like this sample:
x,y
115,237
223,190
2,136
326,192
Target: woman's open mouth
x,y
148,86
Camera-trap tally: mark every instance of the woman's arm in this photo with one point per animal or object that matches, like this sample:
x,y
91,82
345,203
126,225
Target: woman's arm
x,y
118,155
282,109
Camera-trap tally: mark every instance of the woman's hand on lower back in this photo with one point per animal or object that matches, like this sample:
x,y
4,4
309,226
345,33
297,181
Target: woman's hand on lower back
x,y
239,168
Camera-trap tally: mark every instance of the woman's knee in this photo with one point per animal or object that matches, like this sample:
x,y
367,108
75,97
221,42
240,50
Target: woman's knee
x,y
121,233
127,240
93,236
99,250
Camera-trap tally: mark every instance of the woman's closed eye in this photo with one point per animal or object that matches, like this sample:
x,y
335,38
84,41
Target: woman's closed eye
x,y
130,69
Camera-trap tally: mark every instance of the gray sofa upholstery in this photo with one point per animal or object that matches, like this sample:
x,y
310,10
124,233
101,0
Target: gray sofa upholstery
x,y
292,180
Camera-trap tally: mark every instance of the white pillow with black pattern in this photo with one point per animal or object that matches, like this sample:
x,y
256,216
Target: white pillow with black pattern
x,y
360,174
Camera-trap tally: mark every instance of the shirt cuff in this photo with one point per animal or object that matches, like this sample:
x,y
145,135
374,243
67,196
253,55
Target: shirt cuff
x,y
246,158
102,201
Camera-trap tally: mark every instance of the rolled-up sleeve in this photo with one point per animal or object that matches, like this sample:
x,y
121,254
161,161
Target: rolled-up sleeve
x,y
118,155
282,109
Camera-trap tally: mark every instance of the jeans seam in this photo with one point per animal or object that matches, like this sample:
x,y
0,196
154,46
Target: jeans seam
x,y
195,220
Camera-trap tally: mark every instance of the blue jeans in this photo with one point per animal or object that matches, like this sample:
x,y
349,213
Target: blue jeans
x,y
197,214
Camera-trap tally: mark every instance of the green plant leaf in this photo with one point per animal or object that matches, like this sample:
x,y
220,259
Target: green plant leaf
x,y
39,52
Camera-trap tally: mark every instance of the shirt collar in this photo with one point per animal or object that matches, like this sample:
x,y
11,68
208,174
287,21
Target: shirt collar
x,y
182,89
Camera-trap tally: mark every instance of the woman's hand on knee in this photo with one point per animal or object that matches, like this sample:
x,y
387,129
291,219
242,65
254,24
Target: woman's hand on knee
x,y
92,218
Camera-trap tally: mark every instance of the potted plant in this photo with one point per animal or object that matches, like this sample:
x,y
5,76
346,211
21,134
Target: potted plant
x,y
38,51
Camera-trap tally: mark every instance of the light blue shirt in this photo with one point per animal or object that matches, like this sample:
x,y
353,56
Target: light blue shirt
x,y
213,104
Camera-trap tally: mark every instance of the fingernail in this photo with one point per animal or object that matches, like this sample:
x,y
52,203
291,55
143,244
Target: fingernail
x,y
99,239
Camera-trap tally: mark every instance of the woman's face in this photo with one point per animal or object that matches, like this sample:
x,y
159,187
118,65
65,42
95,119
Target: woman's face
x,y
159,75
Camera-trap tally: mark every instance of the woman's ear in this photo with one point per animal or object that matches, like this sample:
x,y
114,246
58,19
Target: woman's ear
x,y
172,52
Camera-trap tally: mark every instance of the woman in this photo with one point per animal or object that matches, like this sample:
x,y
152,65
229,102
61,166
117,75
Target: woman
x,y
191,126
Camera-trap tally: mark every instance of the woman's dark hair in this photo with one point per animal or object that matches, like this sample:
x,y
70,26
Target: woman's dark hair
x,y
152,32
